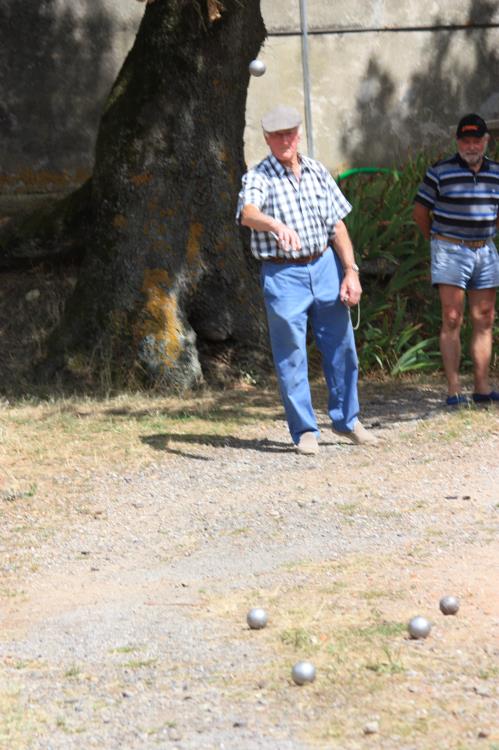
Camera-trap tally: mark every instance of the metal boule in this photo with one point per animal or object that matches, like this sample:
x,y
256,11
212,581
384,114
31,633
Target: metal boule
x,y
419,627
257,68
449,605
302,672
257,618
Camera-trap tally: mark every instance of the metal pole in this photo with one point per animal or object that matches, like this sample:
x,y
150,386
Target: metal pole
x,y
306,77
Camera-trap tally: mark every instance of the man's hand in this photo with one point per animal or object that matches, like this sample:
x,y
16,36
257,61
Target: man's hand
x,y
422,216
350,289
286,238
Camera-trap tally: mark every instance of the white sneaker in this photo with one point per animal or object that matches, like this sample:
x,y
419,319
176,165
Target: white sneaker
x,y
308,444
359,435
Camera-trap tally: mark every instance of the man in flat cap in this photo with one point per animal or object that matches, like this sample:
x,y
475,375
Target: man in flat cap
x,y
295,212
456,208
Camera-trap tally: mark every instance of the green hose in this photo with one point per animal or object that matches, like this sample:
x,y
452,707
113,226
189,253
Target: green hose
x,y
365,170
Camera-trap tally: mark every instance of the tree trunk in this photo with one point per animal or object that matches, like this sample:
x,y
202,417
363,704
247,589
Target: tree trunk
x,y
165,273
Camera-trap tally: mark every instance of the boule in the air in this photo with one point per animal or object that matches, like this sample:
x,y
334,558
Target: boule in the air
x,y
257,68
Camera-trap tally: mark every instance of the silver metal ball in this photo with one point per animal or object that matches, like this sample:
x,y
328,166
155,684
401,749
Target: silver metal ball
x,y
302,672
257,618
449,605
419,627
257,68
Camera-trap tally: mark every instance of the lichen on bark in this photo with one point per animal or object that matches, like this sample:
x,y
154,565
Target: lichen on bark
x,y
162,254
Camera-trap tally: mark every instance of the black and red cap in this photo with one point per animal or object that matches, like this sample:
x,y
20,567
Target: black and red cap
x,y
471,125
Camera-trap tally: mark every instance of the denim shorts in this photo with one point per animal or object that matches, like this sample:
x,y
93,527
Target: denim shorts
x,y
465,267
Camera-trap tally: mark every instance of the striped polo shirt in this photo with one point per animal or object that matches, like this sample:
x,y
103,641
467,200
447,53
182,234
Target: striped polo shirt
x,y
464,204
311,205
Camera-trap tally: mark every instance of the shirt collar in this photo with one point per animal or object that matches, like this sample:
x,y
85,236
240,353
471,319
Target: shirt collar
x,y
281,170
484,167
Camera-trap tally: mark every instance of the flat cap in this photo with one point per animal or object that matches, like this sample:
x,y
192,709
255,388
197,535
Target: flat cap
x,y
281,118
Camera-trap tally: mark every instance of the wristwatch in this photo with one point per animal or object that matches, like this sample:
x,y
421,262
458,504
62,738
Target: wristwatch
x,y
353,266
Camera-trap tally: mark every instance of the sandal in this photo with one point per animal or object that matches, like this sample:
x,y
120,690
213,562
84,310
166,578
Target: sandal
x,y
485,398
458,400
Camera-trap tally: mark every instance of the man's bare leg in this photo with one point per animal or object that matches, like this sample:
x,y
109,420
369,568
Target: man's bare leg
x,y
452,302
482,312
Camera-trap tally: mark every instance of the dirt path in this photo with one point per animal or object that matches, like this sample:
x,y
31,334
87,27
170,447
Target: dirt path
x,y
123,616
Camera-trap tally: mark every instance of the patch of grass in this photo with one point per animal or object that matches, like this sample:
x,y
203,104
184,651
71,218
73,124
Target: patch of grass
x,y
420,725
387,515
8,593
381,629
21,664
489,673
373,594
161,728
389,666
348,509
39,437
298,638
296,565
139,663
17,721
125,649
31,664
72,672
419,505
433,533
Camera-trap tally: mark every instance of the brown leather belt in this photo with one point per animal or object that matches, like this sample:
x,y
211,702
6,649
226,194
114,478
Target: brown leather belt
x,y
466,243
296,261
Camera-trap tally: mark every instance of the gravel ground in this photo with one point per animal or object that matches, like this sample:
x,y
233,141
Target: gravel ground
x,y
124,627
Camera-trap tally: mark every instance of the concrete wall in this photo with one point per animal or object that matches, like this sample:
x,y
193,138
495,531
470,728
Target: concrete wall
x,y
58,60
385,78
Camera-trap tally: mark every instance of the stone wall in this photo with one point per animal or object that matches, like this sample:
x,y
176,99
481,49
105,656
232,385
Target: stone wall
x,y
386,78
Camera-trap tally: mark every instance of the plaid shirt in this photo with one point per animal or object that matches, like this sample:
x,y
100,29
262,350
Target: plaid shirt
x,y
311,206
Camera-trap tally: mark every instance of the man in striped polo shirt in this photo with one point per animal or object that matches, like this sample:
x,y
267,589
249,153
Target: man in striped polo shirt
x,y
295,212
456,208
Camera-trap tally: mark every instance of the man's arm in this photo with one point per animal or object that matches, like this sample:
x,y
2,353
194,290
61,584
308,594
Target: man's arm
x,y
350,290
252,217
422,216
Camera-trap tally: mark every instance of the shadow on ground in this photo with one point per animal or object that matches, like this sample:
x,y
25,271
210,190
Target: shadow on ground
x,y
166,442
384,404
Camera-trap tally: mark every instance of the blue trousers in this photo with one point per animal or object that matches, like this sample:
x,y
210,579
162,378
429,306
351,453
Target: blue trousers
x,y
292,295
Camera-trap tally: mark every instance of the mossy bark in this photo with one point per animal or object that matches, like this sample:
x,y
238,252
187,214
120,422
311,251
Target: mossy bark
x,y
165,270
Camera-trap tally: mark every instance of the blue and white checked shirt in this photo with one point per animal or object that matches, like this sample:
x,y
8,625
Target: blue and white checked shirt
x,y
312,206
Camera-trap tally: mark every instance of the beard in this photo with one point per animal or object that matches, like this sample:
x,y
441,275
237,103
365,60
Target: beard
x,y
472,159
